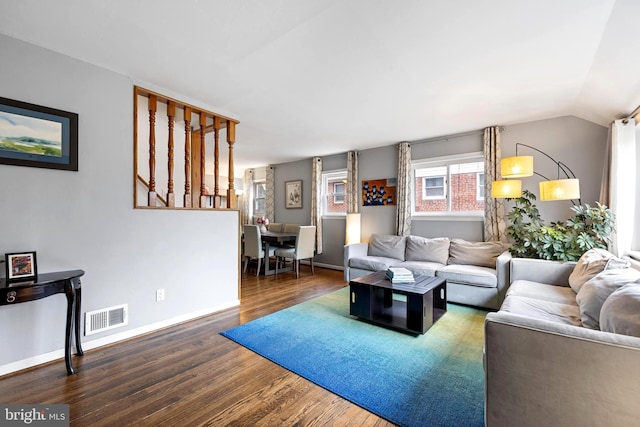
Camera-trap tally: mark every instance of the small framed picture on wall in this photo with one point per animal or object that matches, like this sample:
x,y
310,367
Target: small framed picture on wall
x,y
293,194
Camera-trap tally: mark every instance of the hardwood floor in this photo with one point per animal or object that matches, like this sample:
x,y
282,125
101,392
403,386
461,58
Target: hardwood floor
x,y
189,375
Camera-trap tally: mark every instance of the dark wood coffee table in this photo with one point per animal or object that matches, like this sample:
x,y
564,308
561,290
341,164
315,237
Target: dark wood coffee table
x,y
424,302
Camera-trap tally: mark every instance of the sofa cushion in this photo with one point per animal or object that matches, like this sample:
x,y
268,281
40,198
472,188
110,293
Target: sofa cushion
x,y
595,291
469,275
591,263
483,254
542,291
425,249
620,313
544,310
384,245
420,268
372,263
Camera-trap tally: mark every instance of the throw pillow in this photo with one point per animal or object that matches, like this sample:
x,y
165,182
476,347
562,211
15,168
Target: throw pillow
x,y
596,290
591,263
429,250
620,313
483,254
387,246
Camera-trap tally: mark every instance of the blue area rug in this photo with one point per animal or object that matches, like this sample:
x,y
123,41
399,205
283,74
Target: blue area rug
x,y
435,379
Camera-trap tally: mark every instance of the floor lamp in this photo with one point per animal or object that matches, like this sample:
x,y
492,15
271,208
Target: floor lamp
x,y
352,234
566,188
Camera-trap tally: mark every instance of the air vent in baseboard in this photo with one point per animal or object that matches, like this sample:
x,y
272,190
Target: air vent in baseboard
x,y
106,318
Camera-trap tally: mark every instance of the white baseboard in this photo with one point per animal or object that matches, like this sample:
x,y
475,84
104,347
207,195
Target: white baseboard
x,y
329,266
111,339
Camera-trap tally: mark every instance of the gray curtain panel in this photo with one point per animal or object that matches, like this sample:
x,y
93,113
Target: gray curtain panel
x,y
270,210
244,201
495,227
405,180
353,200
316,199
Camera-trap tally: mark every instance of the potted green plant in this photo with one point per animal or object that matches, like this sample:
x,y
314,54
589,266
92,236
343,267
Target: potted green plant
x,y
590,227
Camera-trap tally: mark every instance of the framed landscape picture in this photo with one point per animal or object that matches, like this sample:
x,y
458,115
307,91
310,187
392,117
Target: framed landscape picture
x,y
21,266
293,194
36,136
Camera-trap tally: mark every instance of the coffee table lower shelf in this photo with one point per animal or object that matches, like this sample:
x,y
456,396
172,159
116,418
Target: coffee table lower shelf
x,y
375,299
396,317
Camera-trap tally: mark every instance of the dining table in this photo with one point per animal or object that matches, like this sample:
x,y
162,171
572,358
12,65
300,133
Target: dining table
x,y
279,239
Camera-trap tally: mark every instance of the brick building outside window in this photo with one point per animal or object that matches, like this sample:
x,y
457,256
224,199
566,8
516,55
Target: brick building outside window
x,y
452,187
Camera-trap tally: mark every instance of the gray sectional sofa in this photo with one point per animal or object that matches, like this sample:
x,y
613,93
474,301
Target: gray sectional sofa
x,y
477,273
563,349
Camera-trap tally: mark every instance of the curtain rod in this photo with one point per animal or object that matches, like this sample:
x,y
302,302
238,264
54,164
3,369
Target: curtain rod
x,y
634,113
454,136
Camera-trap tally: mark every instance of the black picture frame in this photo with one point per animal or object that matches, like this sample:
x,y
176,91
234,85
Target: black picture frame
x,y
36,136
293,194
20,266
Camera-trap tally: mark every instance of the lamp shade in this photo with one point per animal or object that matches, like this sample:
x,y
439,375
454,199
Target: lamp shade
x,y
352,234
560,189
506,188
516,167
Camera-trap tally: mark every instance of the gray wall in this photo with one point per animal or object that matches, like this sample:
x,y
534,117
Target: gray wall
x,y
377,163
333,229
85,219
578,143
289,172
470,142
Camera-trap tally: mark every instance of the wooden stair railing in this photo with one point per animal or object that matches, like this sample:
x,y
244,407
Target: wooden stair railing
x,y
158,198
194,152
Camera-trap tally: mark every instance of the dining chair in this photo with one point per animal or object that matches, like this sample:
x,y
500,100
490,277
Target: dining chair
x,y
275,226
291,228
304,248
253,247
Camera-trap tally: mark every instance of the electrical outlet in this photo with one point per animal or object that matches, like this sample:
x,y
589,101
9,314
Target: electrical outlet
x,y
159,294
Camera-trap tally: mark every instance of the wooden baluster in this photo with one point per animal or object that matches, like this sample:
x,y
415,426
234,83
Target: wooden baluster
x,y
153,101
203,190
187,157
171,113
216,160
231,139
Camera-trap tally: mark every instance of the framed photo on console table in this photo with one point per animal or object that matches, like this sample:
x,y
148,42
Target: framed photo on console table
x,y
20,266
293,194
37,136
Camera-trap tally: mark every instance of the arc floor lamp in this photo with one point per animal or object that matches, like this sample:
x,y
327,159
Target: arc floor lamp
x,y
565,188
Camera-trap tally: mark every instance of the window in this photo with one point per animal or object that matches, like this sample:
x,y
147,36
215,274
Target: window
x,y
434,187
334,186
259,198
338,192
449,186
480,187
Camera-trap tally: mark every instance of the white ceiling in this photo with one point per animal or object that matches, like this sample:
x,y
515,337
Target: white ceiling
x,y
318,77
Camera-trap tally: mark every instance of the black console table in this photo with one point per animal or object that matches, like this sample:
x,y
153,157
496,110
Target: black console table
x,y
47,284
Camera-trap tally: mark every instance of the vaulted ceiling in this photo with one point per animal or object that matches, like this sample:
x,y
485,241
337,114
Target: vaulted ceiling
x,y
316,77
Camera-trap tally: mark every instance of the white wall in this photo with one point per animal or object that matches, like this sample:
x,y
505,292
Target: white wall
x,y
635,243
85,219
